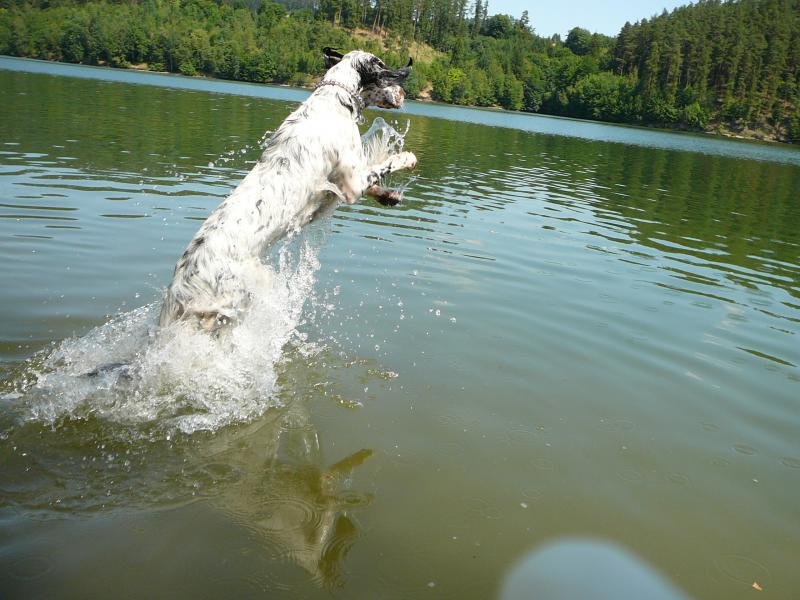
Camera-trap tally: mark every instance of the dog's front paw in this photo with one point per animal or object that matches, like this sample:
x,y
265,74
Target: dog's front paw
x,y
409,160
403,160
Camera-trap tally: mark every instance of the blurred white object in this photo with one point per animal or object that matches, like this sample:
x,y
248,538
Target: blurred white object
x,y
577,568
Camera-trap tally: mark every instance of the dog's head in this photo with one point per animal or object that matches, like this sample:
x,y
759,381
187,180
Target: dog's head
x,y
378,84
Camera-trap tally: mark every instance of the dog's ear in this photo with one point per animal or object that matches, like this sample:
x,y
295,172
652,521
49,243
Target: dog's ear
x,y
406,71
331,56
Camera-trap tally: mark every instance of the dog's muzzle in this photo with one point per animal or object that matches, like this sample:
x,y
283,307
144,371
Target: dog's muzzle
x,y
391,97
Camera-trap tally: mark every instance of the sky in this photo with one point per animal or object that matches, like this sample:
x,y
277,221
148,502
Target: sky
x,y
601,16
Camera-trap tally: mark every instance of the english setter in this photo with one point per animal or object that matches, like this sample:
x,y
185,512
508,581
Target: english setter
x,y
312,162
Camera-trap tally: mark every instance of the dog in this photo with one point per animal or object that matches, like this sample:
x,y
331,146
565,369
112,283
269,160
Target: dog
x,y
314,161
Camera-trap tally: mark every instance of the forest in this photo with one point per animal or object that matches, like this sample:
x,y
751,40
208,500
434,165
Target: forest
x,y
730,67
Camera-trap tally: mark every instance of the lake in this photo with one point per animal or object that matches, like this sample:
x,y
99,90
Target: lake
x,y
566,329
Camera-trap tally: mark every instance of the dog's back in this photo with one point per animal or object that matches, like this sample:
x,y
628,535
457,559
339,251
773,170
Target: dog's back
x,y
313,160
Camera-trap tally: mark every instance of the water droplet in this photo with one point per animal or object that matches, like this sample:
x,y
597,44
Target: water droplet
x,y
744,449
485,509
630,475
532,495
678,478
742,568
545,464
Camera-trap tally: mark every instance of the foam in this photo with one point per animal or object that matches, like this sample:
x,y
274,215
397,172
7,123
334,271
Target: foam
x,y
177,377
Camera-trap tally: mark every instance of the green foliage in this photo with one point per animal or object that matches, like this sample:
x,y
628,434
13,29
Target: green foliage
x,y
695,116
712,62
736,62
451,85
498,26
579,41
602,96
659,110
416,82
794,127
511,94
252,41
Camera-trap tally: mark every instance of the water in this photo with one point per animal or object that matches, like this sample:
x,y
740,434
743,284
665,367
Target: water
x,y
554,334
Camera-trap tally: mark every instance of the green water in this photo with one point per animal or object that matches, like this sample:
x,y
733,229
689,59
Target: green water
x,y
566,329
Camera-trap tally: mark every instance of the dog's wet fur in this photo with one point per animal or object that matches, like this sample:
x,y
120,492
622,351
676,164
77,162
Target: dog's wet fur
x,y
314,161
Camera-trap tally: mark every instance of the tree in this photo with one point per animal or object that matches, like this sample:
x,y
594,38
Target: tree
x,y
579,40
714,61
524,22
498,26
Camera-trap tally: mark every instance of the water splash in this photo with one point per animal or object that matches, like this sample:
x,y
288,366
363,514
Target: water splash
x,y
179,378
176,378
382,140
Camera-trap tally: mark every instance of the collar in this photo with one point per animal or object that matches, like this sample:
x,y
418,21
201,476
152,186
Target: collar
x,y
358,101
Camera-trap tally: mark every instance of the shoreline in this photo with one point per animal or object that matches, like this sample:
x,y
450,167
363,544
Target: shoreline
x,y
723,130
767,135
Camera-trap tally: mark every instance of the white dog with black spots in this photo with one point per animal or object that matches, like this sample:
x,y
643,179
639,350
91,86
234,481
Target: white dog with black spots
x,y
314,161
